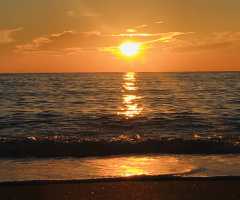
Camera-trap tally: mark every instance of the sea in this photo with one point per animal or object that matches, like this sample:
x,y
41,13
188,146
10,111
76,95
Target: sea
x,y
80,126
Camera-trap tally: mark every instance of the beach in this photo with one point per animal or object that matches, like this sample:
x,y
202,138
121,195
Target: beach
x,y
191,188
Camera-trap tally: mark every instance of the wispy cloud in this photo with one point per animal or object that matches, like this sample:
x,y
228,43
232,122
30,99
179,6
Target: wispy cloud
x,y
145,25
217,41
203,47
135,35
226,36
130,30
97,33
169,34
135,29
36,43
160,37
78,50
72,43
113,48
5,35
167,37
141,26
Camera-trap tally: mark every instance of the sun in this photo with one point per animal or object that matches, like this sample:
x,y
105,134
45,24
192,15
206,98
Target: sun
x,y
129,48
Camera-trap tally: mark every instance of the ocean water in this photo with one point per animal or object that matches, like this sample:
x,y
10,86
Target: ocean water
x,y
101,125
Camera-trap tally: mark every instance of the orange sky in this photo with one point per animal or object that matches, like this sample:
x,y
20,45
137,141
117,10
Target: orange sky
x,y
85,35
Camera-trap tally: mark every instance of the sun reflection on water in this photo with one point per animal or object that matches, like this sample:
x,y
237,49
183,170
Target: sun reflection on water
x,y
136,166
139,165
130,100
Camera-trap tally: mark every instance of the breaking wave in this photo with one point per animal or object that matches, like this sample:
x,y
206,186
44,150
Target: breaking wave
x,y
60,146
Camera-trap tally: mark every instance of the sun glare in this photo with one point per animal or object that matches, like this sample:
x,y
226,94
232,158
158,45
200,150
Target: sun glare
x,y
129,48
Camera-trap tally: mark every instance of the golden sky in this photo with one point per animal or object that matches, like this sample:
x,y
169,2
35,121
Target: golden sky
x,y
85,35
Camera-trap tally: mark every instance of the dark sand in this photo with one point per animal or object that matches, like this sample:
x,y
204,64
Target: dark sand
x,y
183,189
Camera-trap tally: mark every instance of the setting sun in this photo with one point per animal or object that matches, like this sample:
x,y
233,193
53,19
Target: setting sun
x,y
129,48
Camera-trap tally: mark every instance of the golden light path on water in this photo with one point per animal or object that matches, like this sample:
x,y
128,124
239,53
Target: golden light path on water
x,y
130,100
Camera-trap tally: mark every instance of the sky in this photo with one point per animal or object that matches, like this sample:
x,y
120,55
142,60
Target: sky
x,y
84,35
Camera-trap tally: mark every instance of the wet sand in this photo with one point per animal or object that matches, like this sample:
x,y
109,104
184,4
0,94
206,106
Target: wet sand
x,y
123,189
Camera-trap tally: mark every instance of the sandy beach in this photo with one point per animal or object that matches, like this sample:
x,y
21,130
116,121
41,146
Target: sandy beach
x,y
123,189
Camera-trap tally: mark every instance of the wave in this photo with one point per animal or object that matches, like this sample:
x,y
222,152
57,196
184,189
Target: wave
x,y
60,146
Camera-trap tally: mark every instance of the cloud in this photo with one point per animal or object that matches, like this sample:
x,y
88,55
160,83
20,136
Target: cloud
x,y
5,35
113,48
217,41
73,51
225,36
146,39
72,43
130,30
169,34
167,37
203,47
141,26
97,33
136,34
36,43
145,25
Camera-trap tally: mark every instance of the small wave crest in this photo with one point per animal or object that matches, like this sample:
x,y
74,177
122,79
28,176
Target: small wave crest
x,y
60,146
